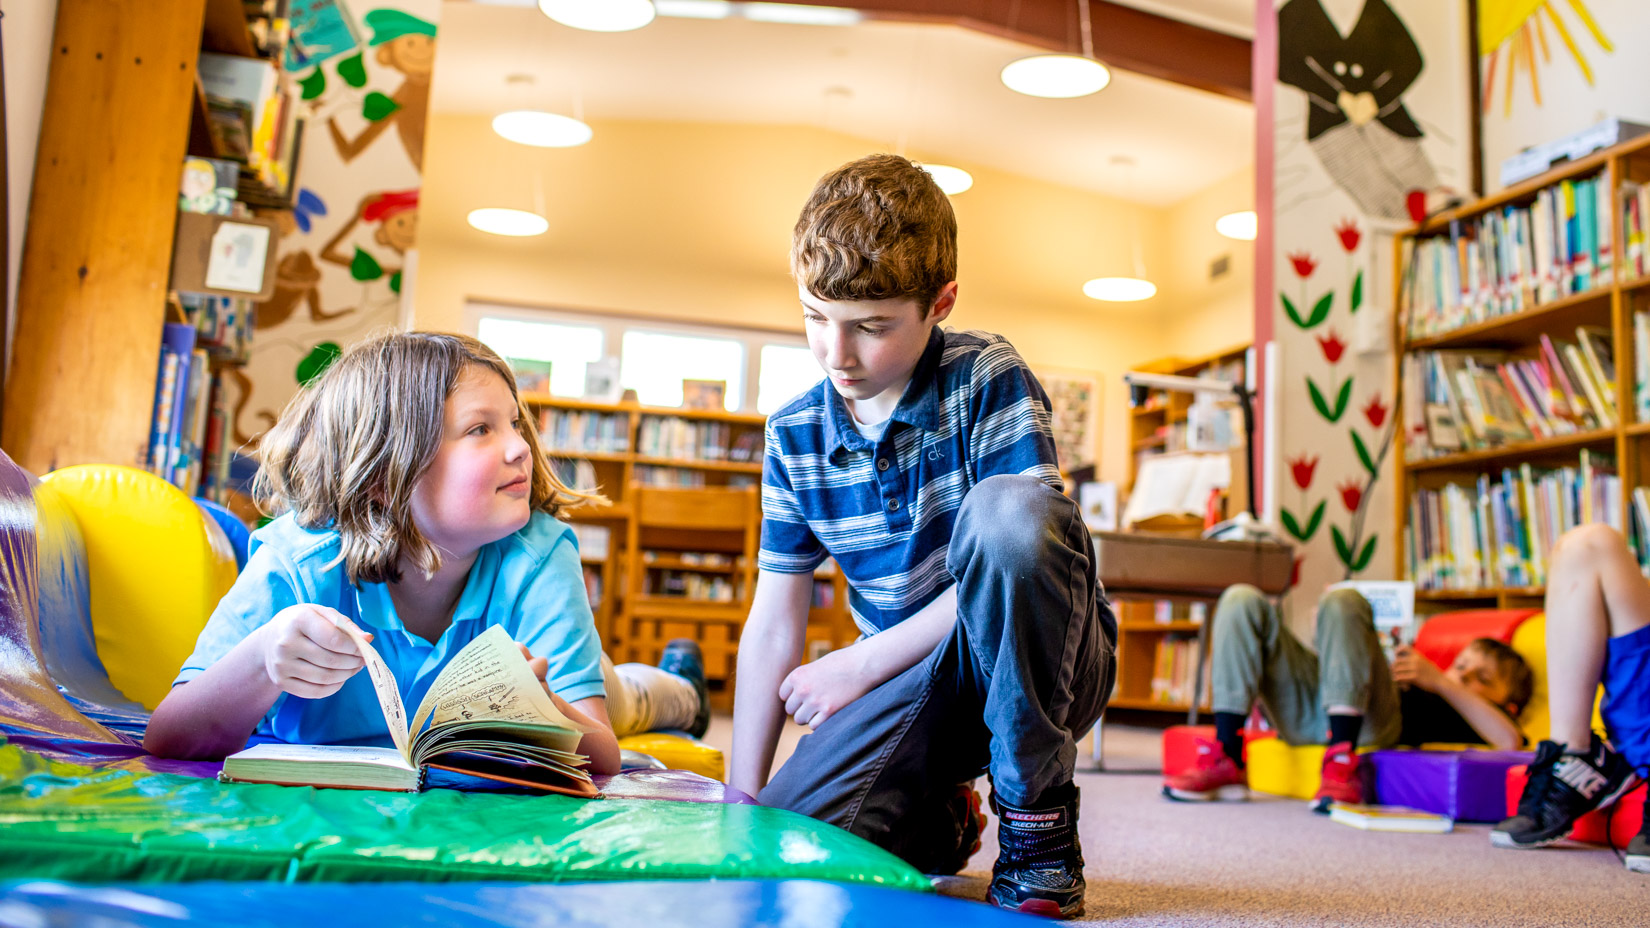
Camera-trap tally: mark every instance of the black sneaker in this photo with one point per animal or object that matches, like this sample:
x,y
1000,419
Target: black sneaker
x,y
1562,788
1039,866
1638,849
683,658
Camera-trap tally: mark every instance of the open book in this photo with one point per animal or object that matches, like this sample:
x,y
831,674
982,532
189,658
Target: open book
x,y
488,716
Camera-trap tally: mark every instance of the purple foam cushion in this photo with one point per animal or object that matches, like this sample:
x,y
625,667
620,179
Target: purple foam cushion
x,y
1468,786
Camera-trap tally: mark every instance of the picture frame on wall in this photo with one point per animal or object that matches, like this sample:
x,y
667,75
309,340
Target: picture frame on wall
x,y
1074,414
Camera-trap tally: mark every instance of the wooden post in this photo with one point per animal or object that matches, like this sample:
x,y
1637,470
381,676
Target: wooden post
x,y
92,289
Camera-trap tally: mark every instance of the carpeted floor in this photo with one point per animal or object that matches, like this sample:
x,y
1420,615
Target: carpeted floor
x,y
1272,862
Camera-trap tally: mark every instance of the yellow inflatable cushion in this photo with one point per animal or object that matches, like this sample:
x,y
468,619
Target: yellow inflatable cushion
x,y
156,567
678,753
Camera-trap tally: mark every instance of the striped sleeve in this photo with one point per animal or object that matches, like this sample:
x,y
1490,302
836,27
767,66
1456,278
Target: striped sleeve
x,y
1012,432
788,543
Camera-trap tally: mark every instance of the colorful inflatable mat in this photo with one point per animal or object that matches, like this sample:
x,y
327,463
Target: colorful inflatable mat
x,y
657,904
70,821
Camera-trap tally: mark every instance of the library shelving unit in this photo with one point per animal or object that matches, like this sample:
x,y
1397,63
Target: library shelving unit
x,y
1157,643
1154,424
1607,304
618,446
122,102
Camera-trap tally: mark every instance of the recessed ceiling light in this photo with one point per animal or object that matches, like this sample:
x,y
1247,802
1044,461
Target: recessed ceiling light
x,y
1243,226
1056,76
517,222
1119,289
951,180
600,15
540,129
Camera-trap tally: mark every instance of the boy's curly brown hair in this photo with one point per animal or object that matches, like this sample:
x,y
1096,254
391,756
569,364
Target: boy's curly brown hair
x,y
875,229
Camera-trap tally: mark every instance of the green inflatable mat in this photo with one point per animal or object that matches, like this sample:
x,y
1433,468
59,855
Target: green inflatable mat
x,y
66,821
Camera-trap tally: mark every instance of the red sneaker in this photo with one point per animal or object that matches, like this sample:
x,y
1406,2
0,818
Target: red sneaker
x,y
1342,778
1216,777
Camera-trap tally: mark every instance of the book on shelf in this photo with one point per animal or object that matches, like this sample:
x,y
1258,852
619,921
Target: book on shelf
x,y
1473,399
1635,215
1390,818
532,374
1174,670
1510,259
567,432
1499,533
1641,365
208,186
488,716
576,473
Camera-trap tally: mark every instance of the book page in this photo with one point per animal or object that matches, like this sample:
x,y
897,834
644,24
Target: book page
x,y
323,753
489,679
383,683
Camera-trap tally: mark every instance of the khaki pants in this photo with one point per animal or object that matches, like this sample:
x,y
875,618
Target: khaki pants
x,y
1255,657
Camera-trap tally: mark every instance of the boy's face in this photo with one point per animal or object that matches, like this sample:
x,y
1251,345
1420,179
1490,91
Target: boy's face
x,y
1478,672
476,490
868,348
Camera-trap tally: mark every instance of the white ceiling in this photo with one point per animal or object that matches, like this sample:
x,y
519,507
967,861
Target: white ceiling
x,y
928,91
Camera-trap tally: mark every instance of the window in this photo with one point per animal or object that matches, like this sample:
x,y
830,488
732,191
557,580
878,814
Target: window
x,y
786,370
762,370
654,364
568,348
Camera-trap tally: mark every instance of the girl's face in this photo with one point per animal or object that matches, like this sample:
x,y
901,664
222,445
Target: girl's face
x,y
476,490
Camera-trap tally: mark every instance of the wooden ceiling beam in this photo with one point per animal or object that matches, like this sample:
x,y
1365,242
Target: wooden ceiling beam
x,y
1124,37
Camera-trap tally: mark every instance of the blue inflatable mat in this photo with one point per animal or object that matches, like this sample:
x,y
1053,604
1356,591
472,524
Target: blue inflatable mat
x,y
656,904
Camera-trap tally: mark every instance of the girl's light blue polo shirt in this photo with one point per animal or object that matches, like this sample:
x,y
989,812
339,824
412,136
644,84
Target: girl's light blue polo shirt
x,y
530,583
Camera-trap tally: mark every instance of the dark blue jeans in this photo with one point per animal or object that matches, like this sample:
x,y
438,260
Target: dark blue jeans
x,y
1025,672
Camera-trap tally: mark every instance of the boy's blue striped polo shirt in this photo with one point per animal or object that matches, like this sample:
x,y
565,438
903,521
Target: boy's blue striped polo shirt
x,y
885,510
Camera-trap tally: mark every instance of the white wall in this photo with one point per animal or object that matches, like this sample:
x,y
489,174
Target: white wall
x,y
692,222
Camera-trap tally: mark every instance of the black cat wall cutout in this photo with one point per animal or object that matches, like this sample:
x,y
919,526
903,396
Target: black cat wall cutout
x,y
1355,84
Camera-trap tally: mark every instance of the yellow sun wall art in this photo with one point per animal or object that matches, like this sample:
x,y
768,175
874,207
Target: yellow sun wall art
x,y
1510,32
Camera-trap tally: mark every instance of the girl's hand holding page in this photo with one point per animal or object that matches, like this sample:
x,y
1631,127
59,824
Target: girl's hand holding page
x,y
306,654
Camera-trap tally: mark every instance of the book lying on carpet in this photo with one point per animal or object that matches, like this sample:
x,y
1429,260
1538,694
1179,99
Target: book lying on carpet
x,y
1390,818
488,715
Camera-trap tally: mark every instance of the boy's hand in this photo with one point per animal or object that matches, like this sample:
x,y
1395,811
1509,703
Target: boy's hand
x,y
305,654
815,692
1408,666
540,665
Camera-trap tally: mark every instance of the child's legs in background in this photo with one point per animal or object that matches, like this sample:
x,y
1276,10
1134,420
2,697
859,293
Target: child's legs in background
x,y
1354,674
642,698
1598,608
1253,656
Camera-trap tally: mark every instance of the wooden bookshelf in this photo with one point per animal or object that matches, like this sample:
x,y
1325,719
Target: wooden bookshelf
x,y
829,626
1610,306
1140,636
1151,424
123,107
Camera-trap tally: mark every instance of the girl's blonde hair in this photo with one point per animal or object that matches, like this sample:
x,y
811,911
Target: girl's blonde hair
x,y
349,448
